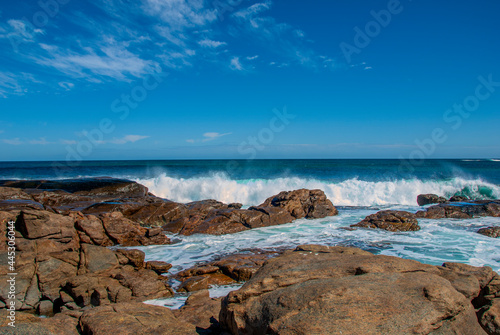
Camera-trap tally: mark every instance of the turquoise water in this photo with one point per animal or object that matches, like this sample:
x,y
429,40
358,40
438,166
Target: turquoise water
x,y
357,187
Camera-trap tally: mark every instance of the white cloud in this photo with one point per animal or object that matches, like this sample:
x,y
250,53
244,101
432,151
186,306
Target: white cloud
x,y
190,141
212,136
112,60
66,85
253,10
18,32
69,142
13,141
211,44
180,14
16,83
253,57
41,141
236,64
128,139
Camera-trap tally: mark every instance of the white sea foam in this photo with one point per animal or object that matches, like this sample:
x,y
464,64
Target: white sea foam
x,y
438,241
351,192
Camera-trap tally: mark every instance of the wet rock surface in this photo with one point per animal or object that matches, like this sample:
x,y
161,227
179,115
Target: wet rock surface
x,y
391,221
462,210
426,199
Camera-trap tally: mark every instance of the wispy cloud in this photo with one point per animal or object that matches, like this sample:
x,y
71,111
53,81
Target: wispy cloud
x,y
279,37
235,64
211,44
207,137
128,139
18,32
253,10
108,59
213,136
253,57
40,141
13,141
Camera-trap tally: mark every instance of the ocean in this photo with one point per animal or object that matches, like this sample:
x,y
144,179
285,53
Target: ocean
x,y
357,187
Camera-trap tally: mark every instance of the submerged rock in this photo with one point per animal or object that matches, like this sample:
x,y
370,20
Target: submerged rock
x,y
355,292
391,221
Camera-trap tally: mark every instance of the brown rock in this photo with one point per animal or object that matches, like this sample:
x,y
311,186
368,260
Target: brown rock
x,y
135,257
9,193
201,311
128,233
490,231
35,224
352,292
132,319
61,324
157,214
158,266
490,318
192,284
391,221
426,199
94,258
144,284
310,204
92,227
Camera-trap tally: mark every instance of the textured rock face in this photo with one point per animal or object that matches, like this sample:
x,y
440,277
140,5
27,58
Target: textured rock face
x,y
462,210
426,199
309,204
215,218
490,231
63,264
391,221
122,206
228,270
132,319
316,289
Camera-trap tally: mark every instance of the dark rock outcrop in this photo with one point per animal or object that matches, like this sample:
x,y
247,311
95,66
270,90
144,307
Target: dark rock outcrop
x,y
215,218
426,199
490,232
309,204
462,210
355,292
391,221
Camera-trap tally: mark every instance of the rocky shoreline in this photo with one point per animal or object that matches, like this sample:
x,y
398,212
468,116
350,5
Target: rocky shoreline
x,y
66,270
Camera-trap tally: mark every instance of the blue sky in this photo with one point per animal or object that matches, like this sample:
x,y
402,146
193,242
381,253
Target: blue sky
x,y
169,79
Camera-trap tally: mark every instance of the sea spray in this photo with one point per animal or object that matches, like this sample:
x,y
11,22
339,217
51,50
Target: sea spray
x,y
350,192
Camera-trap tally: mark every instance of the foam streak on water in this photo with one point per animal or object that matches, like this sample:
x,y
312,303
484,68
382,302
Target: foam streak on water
x,y
438,241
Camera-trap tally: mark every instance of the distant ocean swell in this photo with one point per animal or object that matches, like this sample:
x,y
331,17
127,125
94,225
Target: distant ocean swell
x,y
351,192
